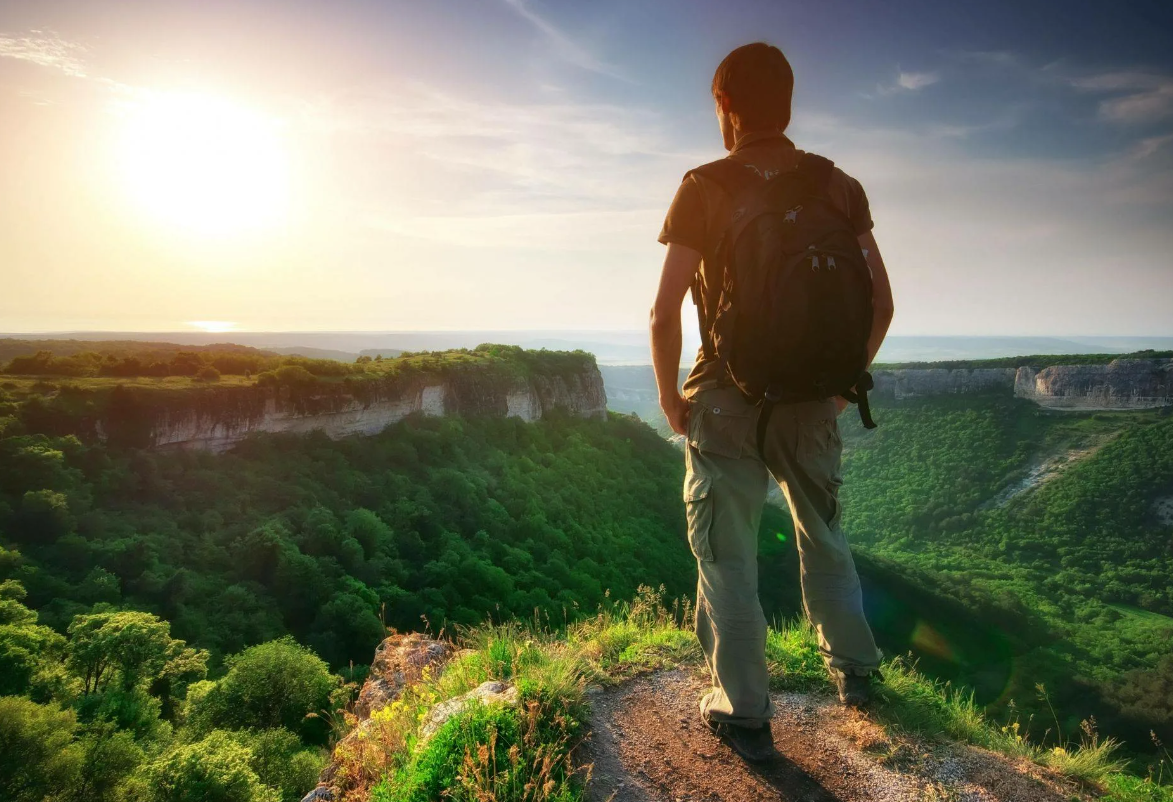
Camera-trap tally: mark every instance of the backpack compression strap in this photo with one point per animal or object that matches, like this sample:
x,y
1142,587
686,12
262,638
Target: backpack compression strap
x,y
860,397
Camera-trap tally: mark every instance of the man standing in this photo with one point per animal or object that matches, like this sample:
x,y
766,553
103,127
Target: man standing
x,y
733,444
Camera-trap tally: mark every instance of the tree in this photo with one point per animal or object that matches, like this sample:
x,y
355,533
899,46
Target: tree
x,y
39,756
44,516
111,756
216,769
282,762
135,647
30,654
276,684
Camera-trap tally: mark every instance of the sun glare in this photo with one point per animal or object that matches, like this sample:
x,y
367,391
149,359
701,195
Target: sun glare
x,y
213,326
204,164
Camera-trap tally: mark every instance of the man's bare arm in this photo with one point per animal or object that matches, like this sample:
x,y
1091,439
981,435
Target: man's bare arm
x,y
882,307
680,266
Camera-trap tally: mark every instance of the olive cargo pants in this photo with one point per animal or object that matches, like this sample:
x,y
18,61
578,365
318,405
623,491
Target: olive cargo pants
x,y
724,491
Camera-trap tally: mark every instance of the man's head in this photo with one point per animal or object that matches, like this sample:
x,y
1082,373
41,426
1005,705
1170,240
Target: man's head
x,y
752,89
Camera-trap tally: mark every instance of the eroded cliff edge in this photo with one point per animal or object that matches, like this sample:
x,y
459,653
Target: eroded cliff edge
x,y
216,417
1119,384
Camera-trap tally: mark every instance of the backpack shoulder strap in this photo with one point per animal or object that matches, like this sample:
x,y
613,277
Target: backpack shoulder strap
x,y
816,170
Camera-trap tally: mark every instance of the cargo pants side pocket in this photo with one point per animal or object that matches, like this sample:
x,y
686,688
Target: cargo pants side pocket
x,y
698,506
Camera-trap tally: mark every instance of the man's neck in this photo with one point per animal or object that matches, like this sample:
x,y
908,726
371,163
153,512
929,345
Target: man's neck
x,y
750,138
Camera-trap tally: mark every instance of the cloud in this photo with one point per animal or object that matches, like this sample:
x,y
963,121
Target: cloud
x,y
908,82
45,50
916,80
1138,96
568,49
578,155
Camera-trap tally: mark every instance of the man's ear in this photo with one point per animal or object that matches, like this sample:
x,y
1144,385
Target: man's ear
x,y
722,101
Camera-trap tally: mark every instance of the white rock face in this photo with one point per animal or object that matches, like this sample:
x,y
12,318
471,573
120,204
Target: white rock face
x,y
432,400
1121,384
915,383
217,418
526,406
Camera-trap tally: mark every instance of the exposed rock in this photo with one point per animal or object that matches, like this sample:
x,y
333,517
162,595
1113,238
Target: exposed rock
x,y
1121,384
399,661
486,693
216,418
1163,507
914,382
323,793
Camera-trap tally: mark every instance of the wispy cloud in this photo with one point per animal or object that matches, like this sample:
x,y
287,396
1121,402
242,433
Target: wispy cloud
x,y
577,150
46,50
566,47
1137,96
916,80
908,82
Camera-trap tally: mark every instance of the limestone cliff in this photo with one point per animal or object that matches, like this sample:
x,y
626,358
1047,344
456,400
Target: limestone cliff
x,y
914,382
1121,384
215,418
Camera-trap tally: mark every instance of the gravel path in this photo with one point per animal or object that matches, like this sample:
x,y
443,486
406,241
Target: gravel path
x,y
649,745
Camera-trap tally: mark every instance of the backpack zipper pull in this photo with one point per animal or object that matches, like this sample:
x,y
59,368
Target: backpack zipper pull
x,y
830,262
814,263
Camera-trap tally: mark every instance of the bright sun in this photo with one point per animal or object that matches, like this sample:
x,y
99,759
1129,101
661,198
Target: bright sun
x,y
204,164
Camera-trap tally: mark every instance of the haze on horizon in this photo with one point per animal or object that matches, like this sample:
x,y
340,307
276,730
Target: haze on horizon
x,y
505,165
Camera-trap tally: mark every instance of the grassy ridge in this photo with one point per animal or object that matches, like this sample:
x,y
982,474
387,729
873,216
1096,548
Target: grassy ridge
x,y
500,753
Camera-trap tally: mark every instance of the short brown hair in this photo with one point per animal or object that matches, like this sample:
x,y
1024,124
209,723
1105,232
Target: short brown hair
x,y
759,83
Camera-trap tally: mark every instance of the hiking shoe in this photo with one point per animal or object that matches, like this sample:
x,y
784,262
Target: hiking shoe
x,y
754,744
855,690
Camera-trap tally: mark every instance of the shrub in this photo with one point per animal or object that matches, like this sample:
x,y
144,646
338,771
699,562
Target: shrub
x,y
216,769
273,685
39,757
207,373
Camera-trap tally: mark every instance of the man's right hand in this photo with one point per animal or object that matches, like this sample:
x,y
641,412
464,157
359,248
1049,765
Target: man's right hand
x,y
676,410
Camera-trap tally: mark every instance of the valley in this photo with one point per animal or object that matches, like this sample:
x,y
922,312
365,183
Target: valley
x,y
1017,551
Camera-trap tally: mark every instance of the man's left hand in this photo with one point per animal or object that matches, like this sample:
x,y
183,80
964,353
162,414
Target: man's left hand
x,y
675,409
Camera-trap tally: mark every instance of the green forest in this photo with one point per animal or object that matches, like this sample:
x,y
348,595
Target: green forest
x,y
1043,525
154,597
188,625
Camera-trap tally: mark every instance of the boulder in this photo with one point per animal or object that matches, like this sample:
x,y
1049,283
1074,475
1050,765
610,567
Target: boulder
x,y
400,660
486,693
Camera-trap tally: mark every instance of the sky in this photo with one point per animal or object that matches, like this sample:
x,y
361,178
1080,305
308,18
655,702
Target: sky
x,y
506,164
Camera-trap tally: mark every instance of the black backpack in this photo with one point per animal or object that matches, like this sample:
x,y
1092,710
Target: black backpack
x,y
794,313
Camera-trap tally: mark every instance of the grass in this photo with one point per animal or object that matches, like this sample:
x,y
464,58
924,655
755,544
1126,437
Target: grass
x,y
499,753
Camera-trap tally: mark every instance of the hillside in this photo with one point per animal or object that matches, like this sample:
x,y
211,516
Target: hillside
x,y
605,710
970,513
214,399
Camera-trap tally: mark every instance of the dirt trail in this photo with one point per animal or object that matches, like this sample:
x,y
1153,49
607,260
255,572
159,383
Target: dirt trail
x,y
649,745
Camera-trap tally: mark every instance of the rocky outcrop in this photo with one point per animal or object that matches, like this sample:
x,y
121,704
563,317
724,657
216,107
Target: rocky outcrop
x,y
1121,384
400,661
487,693
914,382
216,418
